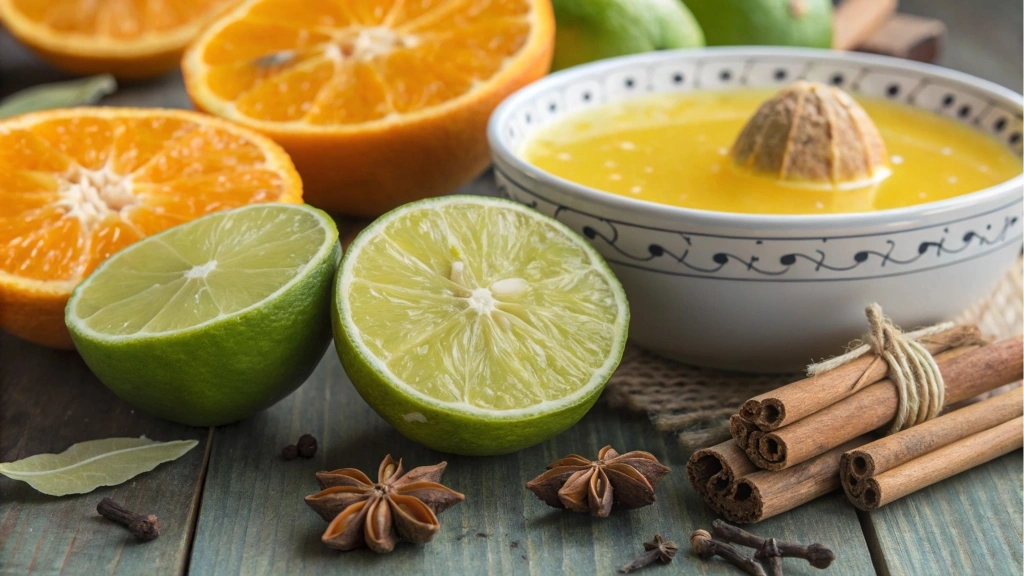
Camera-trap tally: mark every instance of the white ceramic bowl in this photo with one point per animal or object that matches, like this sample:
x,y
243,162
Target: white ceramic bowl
x,y
771,293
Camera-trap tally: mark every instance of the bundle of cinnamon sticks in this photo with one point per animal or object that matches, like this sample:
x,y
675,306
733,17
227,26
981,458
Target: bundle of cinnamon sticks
x,y
890,468
788,444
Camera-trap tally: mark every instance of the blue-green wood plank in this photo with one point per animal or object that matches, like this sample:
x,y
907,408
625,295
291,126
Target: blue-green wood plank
x,y
48,401
254,521
968,524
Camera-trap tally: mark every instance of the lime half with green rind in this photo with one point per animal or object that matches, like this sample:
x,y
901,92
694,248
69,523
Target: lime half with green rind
x,y
215,319
475,325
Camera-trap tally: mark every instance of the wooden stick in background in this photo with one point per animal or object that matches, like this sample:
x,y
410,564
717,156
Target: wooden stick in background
x,y
941,464
966,373
763,494
854,21
907,36
898,449
774,409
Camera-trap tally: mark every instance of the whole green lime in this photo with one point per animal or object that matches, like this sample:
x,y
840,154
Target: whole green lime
x,y
589,30
476,325
215,319
765,22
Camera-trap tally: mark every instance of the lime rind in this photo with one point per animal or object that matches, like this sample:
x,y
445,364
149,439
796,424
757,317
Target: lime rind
x,y
233,366
325,225
350,339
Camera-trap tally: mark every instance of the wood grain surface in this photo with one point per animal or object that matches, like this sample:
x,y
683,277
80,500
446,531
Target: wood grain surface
x,y
968,524
253,520
241,511
50,401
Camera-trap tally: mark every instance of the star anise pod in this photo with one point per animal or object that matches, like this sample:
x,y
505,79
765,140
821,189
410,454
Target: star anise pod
x,y
625,480
399,506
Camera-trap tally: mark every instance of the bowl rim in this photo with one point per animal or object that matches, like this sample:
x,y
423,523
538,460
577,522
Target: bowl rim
x,y
501,151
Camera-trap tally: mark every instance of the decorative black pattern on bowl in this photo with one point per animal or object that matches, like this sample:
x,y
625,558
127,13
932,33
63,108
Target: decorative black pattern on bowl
x,y
782,259
681,71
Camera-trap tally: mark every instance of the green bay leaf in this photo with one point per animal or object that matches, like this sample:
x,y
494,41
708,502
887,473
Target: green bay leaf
x,y
88,465
78,92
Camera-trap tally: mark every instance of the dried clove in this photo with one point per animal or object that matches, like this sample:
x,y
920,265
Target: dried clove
x,y
771,556
705,547
144,527
659,550
816,555
306,446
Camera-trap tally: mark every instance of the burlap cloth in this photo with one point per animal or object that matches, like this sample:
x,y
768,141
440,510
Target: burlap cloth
x,y
695,403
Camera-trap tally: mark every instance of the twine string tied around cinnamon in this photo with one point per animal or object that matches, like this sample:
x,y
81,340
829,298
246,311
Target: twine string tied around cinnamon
x,y
912,369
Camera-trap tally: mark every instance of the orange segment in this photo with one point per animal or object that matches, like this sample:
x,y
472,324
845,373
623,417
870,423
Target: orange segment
x,y
190,155
28,151
84,141
350,87
85,182
359,84
138,140
248,40
27,241
154,217
107,237
128,38
299,86
28,184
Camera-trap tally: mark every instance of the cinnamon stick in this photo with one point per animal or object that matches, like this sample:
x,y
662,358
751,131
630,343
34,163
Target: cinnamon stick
x,y
773,410
941,464
741,429
763,494
713,470
966,372
907,36
898,449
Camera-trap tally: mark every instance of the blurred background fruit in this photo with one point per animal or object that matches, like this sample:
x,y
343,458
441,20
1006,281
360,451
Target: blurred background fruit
x,y
596,29
79,184
767,22
377,102
126,38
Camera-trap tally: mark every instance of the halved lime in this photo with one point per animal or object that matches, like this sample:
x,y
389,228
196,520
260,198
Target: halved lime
x,y
212,320
475,325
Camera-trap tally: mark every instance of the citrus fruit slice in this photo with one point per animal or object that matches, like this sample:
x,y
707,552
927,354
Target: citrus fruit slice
x,y
378,102
126,38
475,325
82,183
213,320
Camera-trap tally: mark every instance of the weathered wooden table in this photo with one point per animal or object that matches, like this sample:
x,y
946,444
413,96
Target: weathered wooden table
x,y
233,506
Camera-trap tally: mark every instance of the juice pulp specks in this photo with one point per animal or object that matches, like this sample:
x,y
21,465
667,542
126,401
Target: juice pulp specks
x,y
674,149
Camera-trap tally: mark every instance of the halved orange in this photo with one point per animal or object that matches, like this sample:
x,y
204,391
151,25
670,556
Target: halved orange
x,y
126,38
82,183
378,102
